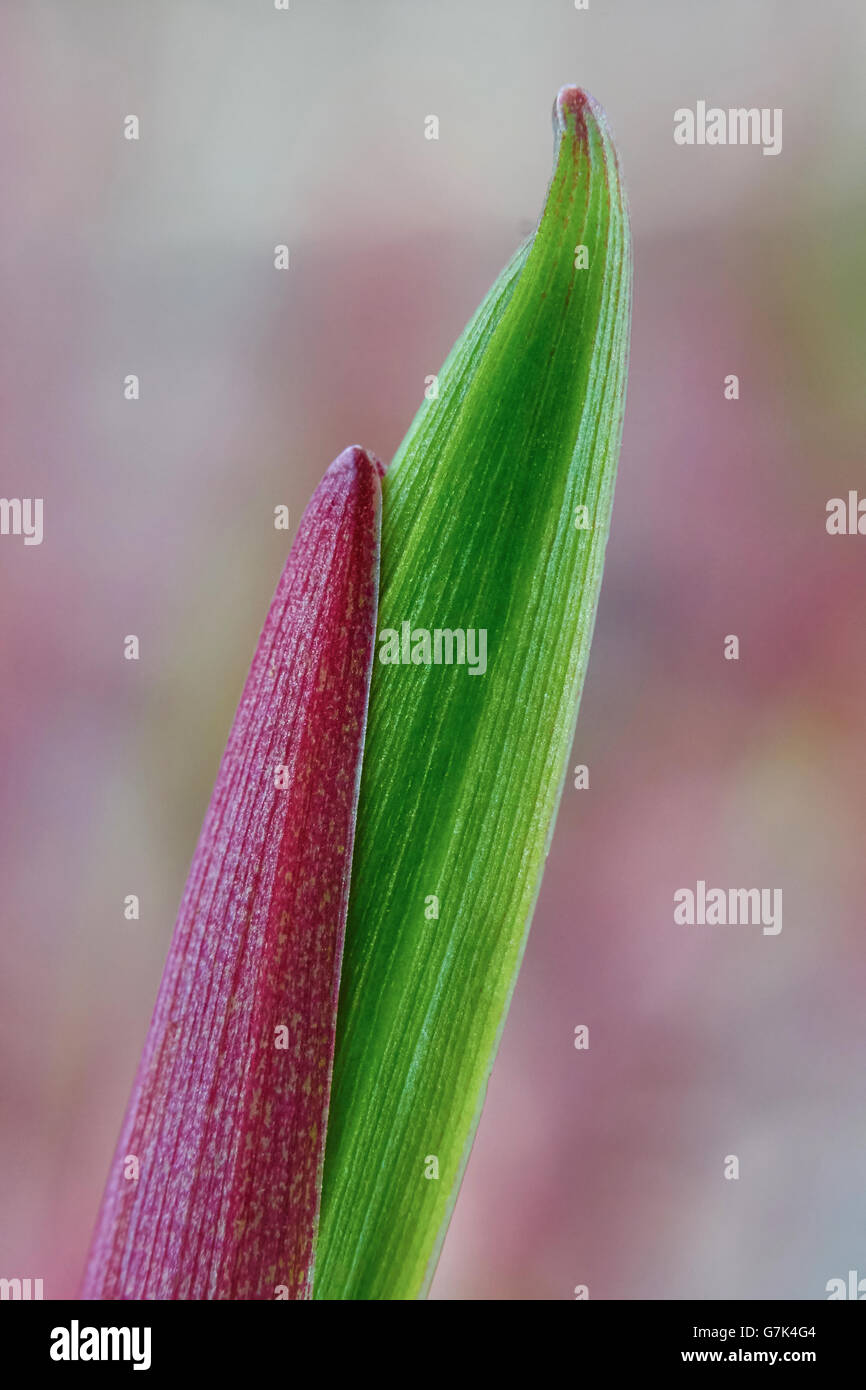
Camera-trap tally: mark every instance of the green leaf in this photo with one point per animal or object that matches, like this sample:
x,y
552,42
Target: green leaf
x,y
462,769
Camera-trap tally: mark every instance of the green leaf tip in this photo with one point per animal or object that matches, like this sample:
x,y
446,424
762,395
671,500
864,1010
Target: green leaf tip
x,y
496,513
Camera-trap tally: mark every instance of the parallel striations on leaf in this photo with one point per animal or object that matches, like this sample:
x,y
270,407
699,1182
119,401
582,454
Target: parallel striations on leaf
x,y
215,1186
482,530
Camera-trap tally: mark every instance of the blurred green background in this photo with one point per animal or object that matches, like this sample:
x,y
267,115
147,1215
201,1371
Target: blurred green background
x,y
155,257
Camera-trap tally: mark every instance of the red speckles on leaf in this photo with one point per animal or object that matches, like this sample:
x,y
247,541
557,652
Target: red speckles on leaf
x,y
229,1110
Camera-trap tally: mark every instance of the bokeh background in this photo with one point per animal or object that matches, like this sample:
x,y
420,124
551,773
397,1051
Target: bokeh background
x,y
258,127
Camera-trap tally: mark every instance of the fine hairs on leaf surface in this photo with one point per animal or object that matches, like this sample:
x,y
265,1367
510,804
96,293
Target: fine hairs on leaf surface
x,y
495,519
214,1189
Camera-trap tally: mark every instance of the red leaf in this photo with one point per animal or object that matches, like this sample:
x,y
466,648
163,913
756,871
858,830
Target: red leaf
x,y
227,1126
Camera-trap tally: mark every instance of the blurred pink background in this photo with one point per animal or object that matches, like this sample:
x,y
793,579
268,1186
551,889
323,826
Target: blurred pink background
x,y
155,257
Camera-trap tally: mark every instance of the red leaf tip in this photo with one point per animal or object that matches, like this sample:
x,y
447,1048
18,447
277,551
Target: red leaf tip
x,y
572,108
358,460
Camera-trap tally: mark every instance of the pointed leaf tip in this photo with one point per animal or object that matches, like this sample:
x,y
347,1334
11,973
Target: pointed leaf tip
x,y
359,460
215,1186
497,509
